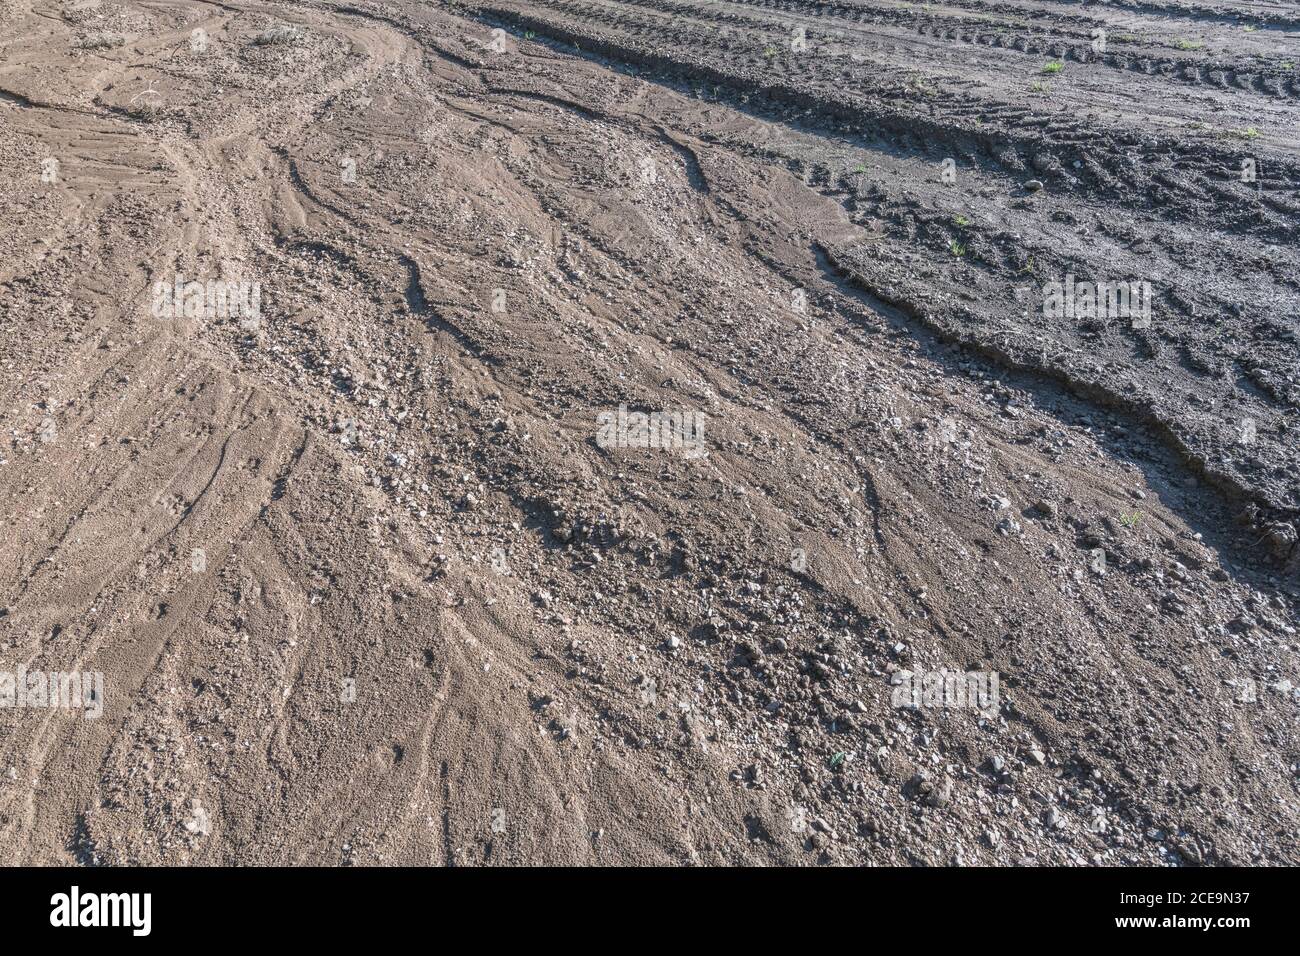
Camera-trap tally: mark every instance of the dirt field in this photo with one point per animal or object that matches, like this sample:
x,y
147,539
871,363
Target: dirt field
x,y
362,536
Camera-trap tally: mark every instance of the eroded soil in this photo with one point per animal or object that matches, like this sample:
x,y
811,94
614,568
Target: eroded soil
x,y
364,586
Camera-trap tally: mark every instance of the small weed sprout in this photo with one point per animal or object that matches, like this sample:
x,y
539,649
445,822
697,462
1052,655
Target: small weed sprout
x,y
102,40
279,35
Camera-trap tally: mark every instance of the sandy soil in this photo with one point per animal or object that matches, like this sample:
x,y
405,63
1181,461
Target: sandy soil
x,y
365,581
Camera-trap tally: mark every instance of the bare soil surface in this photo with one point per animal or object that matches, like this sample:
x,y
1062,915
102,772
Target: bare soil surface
x,y
364,582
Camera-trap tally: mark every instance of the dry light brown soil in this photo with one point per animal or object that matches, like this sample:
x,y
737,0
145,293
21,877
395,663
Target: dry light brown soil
x,y
365,587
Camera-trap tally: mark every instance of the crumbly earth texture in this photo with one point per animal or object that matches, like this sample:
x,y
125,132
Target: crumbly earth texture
x,y
366,578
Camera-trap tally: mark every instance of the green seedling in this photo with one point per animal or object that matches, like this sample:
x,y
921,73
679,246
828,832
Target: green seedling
x,y
1056,66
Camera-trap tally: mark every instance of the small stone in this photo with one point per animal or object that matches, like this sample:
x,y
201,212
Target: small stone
x,y
1281,539
198,823
941,795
